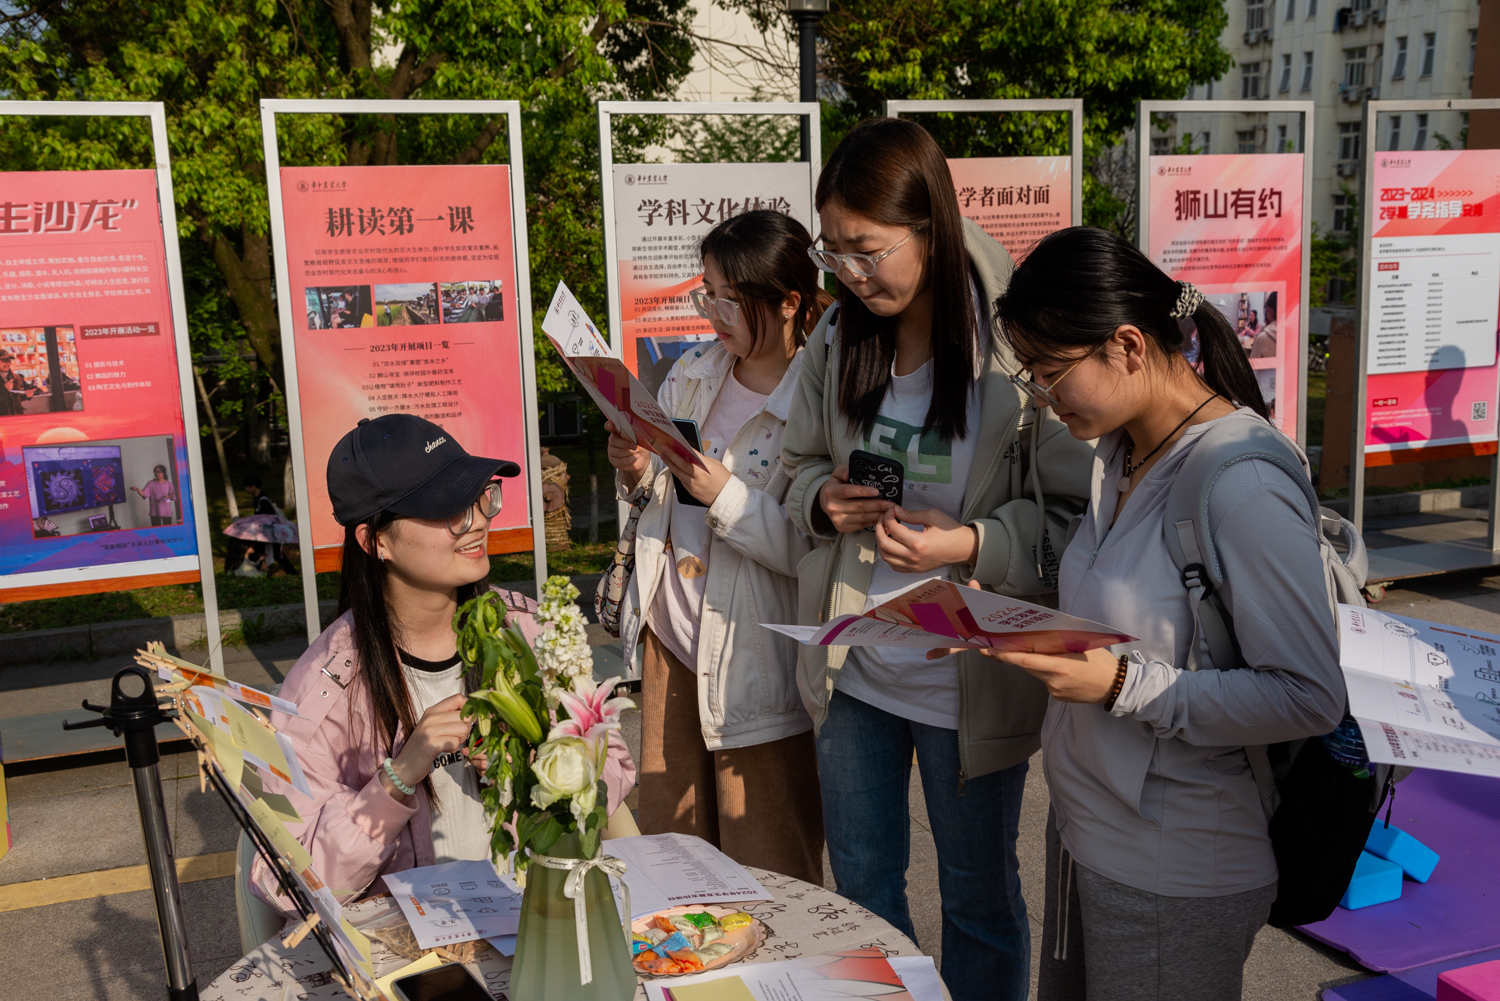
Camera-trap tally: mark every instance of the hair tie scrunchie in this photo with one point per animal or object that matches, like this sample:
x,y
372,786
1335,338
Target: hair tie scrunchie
x,y
1188,301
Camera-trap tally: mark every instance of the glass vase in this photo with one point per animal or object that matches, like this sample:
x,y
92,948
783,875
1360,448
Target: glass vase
x,y
546,963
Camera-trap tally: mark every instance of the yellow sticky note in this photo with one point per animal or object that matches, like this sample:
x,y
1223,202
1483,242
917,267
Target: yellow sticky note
x,y
430,961
276,832
728,989
252,737
229,757
361,944
280,805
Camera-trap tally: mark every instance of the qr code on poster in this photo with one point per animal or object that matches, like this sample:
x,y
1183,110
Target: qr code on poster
x,y
1481,410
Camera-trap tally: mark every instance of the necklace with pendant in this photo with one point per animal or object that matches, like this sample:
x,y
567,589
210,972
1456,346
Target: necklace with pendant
x,y
1124,483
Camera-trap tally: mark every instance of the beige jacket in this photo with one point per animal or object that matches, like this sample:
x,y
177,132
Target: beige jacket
x,y
1022,467
747,688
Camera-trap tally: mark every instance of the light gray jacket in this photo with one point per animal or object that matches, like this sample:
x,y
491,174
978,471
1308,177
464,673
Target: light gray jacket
x,y
1017,463
747,690
1158,793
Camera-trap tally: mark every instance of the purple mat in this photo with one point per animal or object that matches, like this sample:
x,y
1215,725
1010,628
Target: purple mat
x,y
1454,914
1419,984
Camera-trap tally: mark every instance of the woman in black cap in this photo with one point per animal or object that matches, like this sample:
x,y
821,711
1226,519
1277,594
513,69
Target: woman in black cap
x,y
379,734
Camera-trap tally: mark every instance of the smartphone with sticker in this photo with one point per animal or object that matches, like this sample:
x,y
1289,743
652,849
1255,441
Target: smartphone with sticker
x,y
879,471
689,431
450,982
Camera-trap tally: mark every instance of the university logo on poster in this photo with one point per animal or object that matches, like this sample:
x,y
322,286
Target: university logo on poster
x,y
1232,225
404,283
1015,199
1433,306
93,454
662,212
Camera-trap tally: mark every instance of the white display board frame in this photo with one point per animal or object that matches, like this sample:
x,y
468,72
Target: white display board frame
x,y
808,110
1144,111
1072,105
162,159
1422,559
269,109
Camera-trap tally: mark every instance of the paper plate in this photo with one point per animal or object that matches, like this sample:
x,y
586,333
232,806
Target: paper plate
x,y
745,940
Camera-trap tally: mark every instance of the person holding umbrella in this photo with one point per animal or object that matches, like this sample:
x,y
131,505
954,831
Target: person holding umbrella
x,y
265,530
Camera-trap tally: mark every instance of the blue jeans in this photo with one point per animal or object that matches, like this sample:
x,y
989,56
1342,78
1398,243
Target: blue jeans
x,y
864,764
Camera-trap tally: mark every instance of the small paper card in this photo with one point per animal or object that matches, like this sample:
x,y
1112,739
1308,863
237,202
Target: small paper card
x,y
168,665
455,902
665,870
623,400
938,613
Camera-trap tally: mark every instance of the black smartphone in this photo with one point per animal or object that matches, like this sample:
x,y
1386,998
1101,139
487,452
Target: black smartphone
x,y
879,471
689,431
450,982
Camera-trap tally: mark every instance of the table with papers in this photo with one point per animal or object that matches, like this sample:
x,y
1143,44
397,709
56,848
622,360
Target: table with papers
x,y
801,920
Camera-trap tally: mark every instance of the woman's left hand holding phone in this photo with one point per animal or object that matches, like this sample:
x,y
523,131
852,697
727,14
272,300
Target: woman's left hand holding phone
x,y
631,460
440,730
703,482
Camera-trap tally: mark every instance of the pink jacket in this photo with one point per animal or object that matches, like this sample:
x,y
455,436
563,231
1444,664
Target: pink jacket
x,y
354,831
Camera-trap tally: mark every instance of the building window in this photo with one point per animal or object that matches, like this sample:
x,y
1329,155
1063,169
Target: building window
x,y
1398,71
1244,141
1354,67
1312,9
1207,144
1420,142
1291,9
1473,44
1343,213
1208,91
1395,132
1286,72
1306,72
1161,145
1282,146
1429,52
1349,140
1249,81
1255,15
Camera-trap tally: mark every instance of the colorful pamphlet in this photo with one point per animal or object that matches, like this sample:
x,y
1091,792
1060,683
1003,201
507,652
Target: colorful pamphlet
x,y
620,396
853,973
938,613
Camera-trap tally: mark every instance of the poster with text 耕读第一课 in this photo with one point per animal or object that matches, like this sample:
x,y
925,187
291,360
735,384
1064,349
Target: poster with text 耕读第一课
x,y
1232,226
94,473
1432,306
404,288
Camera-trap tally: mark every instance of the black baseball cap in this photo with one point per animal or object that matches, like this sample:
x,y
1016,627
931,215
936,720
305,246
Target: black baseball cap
x,y
408,466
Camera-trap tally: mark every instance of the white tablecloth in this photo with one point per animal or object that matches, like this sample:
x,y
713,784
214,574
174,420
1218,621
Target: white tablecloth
x,y
802,920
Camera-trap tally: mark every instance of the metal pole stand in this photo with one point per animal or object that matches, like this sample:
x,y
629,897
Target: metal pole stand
x,y
134,712
807,14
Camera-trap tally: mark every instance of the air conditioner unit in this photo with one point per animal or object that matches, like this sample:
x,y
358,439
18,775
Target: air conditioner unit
x,y
1251,37
1357,18
1265,34
1346,168
1351,95
1377,16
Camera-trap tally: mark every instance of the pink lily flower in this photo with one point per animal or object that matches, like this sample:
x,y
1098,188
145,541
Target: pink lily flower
x,y
591,712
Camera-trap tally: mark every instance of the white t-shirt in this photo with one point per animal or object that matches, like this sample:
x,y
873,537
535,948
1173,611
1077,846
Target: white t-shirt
x,y
459,828
678,605
900,681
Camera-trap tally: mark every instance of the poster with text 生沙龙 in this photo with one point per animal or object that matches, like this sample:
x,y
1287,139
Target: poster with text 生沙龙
x,y
1232,225
1432,306
404,286
94,473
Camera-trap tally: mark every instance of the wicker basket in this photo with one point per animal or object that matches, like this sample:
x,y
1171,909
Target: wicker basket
x,y
556,517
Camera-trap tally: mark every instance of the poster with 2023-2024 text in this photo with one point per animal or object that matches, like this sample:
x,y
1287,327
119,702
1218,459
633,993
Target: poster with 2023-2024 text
x,y
1016,199
1232,225
403,280
1433,305
662,211
94,479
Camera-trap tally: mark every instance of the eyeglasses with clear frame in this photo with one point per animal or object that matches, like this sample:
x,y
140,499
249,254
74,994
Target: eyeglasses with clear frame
x,y
488,503
1037,391
707,306
862,265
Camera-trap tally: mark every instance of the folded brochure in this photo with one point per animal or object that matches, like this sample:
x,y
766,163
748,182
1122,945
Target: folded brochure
x,y
623,400
857,973
938,613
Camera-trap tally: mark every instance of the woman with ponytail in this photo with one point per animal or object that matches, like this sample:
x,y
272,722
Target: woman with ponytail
x,y
1159,866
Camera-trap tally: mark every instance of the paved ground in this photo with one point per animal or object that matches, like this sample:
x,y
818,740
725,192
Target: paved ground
x,y
83,820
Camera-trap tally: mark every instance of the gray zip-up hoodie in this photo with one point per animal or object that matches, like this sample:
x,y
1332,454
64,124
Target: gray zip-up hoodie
x,y
1018,464
1158,794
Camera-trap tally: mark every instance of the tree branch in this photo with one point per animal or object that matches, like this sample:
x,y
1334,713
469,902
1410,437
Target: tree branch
x,y
481,142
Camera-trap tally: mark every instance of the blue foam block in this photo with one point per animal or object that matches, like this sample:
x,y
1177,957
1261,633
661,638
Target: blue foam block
x,y
1375,881
1395,845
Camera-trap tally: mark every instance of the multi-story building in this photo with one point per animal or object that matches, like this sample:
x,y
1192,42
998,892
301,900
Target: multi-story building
x,y
1337,55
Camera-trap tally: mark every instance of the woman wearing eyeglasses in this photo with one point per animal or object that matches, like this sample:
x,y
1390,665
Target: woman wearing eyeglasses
x,y
727,751
906,366
379,693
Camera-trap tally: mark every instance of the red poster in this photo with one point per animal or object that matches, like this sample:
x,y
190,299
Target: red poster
x,y
403,283
1433,304
94,479
1016,199
1232,225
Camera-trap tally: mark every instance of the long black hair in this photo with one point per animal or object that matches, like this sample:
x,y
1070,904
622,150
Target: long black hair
x,y
1079,285
377,634
763,255
891,170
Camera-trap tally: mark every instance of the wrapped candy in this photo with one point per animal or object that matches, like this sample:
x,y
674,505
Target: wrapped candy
x,y
731,922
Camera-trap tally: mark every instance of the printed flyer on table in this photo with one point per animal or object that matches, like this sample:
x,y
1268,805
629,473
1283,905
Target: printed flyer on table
x,y
93,456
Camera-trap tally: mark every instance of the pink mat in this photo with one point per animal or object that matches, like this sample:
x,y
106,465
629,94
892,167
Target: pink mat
x,y
1457,912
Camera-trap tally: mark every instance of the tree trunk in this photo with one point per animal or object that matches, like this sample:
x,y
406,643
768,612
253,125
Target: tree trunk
x,y
257,429
213,426
249,276
288,489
